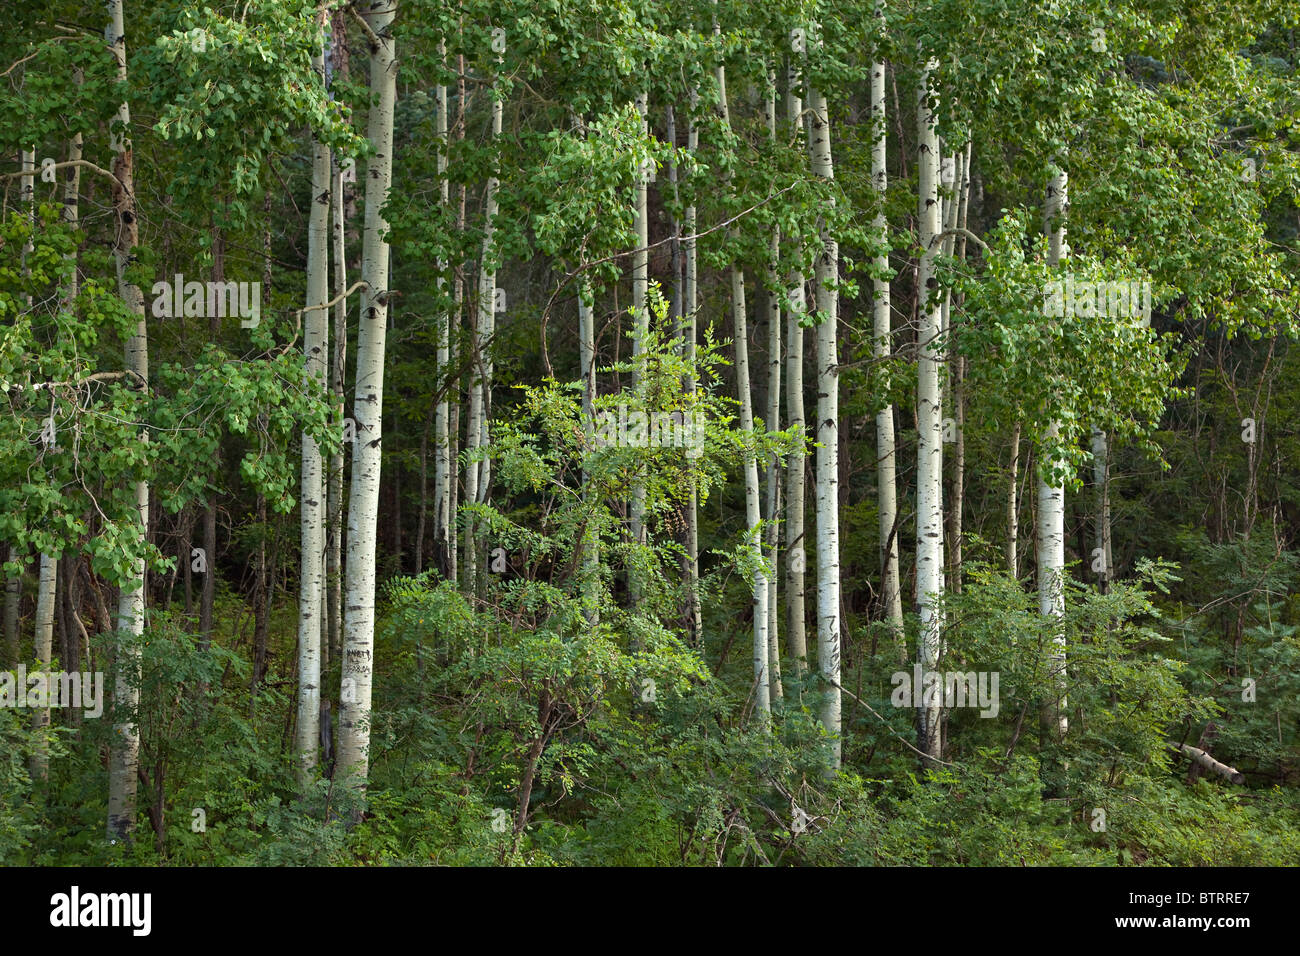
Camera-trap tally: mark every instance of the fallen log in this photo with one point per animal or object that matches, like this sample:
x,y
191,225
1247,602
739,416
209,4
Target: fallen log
x,y
1199,756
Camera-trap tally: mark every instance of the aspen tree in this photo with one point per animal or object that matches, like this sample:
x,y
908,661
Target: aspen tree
x,y
477,473
690,306
363,504
753,517
332,646
124,752
827,459
929,414
773,476
886,460
47,582
45,597
796,467
311,585
640,329
442,464
1050,540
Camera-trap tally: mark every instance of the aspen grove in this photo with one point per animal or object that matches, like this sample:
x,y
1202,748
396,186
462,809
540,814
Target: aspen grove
x,y
702,432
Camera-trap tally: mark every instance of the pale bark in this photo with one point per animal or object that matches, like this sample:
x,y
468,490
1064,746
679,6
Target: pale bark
x,y
1050,540
828,397
796,559
1013,504
332,646
753,516
13,594
886,460
442,464
1101,521
1201,758
690,305
47,582
44,644
124,754
773,477
640,329
363,505
929,415
591,536
311,585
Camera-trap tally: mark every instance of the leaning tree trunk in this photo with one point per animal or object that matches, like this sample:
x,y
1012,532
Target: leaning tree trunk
x,y
368,407
886,461
1051,499
311,586
828,399
929,416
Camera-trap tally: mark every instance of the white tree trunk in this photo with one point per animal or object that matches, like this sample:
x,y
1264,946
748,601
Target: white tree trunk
x,y
640,328
363,506
442,465
886,462
796,554
124,754
591,536
1051,497
929,415
753,516
45,596
773,476
311,585
333,644
828,399
690,303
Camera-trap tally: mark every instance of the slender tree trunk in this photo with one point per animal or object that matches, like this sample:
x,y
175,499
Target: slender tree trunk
x,y
13,597
313,504
1101,485
690,306
208,589
332,646
363,510
124,755
1051,498
753,517
796,560
773,423
828,399
476,430
442,470
640,329
929,401
955,218
45,597
886,460
1013,504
